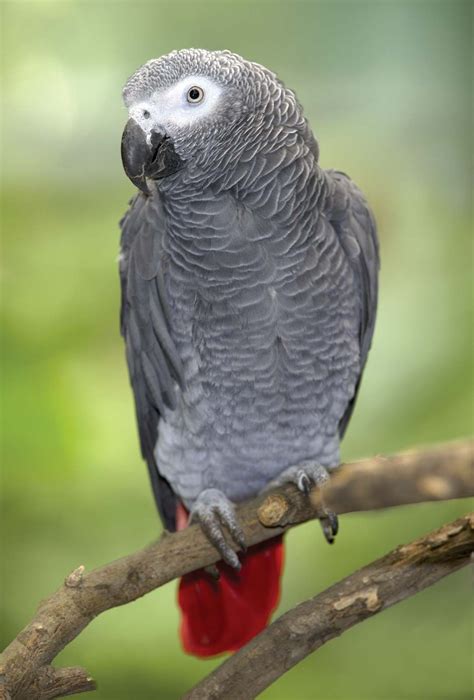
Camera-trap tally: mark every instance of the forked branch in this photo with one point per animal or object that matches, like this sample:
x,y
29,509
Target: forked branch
x,y
398,575
439,473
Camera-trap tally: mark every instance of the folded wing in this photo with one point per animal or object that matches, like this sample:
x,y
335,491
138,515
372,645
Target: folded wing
x,y
155,368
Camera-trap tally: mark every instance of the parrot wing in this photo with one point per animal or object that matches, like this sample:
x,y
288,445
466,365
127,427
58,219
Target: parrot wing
x,y
154,365
355,226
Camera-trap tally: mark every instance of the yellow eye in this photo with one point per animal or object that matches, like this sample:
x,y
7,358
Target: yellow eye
x,y
195,94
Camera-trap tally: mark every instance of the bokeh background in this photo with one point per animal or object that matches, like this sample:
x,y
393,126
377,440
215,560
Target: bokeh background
x,y
386,86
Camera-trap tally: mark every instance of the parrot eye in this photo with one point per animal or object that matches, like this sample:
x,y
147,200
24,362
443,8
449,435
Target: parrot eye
x,y
195,94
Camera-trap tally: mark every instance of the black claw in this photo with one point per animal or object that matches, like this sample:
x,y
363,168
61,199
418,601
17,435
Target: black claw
x,y
213,571
239,539
242,545
228,555
237,535
334,522
330,525
234,565
305,484
327,530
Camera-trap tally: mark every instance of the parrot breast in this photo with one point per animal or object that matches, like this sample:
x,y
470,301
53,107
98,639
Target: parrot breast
x,y
268,341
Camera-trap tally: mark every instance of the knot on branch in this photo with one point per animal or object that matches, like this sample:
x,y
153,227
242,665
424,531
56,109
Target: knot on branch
x,y
273,510
369,595
75,577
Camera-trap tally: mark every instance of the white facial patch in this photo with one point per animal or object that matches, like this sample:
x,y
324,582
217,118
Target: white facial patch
x,y
171,107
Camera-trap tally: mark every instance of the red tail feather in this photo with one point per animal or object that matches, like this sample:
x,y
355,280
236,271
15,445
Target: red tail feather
x,y
223,615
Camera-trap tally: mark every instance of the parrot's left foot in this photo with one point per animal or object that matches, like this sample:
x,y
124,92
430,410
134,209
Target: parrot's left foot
x,y
306,475
214,512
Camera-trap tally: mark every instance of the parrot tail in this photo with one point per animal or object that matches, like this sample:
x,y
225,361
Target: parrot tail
x,y
222,615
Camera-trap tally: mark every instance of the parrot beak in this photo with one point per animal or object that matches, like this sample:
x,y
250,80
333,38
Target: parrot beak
x,y
144,158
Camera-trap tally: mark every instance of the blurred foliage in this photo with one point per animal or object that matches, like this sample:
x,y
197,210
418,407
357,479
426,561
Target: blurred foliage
x,y
386,87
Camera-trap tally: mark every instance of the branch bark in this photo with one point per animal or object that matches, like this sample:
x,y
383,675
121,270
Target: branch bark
x,y
439,473
398,575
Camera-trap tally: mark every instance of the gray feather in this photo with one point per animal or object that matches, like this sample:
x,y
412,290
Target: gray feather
x,y
154,365
355,226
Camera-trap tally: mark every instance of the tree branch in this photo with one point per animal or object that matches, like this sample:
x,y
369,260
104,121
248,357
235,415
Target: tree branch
x,y
438,473
398,575
58,682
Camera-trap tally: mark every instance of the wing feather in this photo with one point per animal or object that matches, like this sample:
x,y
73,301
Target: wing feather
x,y
355,226
155,368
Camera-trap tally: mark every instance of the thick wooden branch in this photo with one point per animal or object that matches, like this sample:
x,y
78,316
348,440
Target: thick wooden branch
x,y
398,575
438,473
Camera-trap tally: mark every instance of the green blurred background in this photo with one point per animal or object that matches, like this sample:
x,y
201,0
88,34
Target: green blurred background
x,y
386,87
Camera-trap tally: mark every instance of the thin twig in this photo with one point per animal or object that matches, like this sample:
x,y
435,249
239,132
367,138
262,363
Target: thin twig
x,y
438,473
398,575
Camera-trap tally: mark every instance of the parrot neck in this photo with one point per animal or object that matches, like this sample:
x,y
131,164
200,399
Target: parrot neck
x,y
249,159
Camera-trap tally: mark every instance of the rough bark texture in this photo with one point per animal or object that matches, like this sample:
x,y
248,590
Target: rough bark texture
x,y
398,575
438,473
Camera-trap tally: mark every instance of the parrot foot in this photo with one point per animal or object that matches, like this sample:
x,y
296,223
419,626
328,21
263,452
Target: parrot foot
x,y
306,475
214,512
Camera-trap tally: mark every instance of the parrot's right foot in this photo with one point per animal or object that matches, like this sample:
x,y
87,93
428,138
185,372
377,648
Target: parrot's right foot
x,y
214,511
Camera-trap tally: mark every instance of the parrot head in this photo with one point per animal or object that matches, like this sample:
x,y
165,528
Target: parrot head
x,y
200,110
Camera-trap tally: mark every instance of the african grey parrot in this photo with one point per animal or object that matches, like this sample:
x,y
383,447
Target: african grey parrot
x,y
249,292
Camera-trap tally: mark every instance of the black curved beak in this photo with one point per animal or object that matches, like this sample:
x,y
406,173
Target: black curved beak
x,y
142,159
